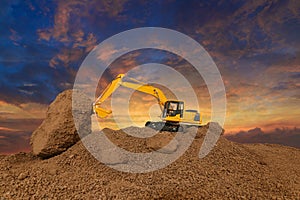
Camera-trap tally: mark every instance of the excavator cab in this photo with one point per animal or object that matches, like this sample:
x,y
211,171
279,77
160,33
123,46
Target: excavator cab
x,y
173,109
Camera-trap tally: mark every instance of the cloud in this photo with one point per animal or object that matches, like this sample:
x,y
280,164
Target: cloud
x,y
88,42
66,56
248,30
254,43
14,142
15,37
8,129
81,45
71,13
106,53
70,29
15,134
283,136
23,111
44,34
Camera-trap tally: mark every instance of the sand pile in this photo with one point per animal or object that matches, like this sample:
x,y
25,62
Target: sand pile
x,y
229,171
57,132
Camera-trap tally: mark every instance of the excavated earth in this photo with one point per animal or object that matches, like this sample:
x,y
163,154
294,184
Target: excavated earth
x,y
60,166
229,171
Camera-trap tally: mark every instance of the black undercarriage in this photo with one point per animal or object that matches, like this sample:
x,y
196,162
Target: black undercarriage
x,y
168,126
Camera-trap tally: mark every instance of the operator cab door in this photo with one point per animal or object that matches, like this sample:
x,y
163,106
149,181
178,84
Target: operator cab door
x,y
173,108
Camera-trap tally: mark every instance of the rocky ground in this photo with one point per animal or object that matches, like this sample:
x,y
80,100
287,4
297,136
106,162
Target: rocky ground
x,y
230,171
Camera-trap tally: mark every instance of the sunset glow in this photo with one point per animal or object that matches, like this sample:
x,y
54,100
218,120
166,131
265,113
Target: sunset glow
x,y
255,46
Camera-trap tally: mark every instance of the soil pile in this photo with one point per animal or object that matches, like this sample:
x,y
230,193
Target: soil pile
x,y
229,171
57,132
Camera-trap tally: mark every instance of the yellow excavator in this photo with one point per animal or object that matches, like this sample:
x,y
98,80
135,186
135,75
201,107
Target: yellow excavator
x,y
173,116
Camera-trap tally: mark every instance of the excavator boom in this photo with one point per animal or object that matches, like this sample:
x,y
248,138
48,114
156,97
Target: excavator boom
x,y
129,83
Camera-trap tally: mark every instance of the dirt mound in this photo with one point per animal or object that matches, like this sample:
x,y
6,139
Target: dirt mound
x,y
229,171
57,132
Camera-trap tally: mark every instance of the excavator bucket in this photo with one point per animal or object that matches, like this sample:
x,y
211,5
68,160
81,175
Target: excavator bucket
x,y
102,113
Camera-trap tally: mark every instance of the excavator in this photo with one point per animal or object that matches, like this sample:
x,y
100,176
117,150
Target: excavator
x,y
173,118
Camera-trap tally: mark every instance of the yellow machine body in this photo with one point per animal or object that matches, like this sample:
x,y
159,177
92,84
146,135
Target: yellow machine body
x,y
173,112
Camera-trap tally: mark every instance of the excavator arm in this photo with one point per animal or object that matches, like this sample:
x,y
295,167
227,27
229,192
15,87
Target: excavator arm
x,y
128,83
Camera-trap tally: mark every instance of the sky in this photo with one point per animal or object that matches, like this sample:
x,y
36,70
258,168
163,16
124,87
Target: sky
x,y
255,45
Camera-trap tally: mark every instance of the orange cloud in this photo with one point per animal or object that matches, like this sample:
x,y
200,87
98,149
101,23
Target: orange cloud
x,y
70,12
89,42
8,129
15,37
66,56
44,34
23,111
